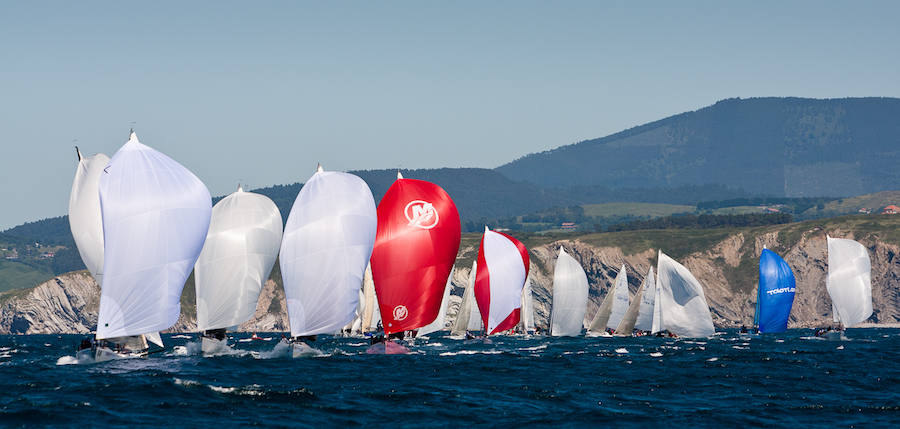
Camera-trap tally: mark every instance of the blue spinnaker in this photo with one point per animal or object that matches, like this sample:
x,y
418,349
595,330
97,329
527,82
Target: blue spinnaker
x,y
775,294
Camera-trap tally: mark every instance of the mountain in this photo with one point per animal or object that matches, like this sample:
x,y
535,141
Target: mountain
x,y
723,260
770,146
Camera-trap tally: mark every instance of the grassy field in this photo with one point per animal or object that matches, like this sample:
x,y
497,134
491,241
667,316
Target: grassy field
x,y
737,210
635,209
853,204
14,275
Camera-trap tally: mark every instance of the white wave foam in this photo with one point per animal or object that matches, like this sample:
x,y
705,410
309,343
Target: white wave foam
x,y
622,351
656,354
712,359
67,360
472,352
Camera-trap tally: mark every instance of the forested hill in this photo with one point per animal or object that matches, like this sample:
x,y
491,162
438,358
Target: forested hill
x,y
768,146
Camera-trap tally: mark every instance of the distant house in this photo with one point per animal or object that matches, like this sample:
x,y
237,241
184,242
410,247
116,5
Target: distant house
x,y
891,209
47,255
865,210
568,225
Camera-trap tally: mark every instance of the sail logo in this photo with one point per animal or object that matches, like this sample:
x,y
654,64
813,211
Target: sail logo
x,y
780,290
421,214
400,312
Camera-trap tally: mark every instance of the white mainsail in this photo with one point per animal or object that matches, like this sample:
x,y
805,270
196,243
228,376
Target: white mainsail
x,y
626,326
644,320
440,320
680,300
849,281
327,243
570,296
370,304
527,307
241,247
155,217
614,305
468,318
85,217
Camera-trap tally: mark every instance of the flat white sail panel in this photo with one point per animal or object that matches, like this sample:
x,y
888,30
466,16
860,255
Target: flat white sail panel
x,y
85,217
464,316
155,217
682,304
241,247
369,323
626,326
527,307
601,317
645,313
849,280
570,296
621,299
327,243
440,320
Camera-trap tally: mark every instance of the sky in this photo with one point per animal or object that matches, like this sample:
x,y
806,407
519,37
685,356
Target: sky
x,y
259,92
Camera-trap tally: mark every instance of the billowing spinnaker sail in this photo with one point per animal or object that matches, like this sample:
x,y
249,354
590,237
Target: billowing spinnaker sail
x,y
502,269
155,217
416,245
614,306
682,304
464,315
527,307
241,246
626,326
849,281
327,242
645,313
570,296
85,218
776,292
439,321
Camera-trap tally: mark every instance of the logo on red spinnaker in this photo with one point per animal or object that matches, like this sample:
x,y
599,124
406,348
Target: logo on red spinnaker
x,y
400,312
421,214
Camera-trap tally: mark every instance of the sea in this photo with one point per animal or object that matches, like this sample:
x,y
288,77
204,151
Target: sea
x,y
729,380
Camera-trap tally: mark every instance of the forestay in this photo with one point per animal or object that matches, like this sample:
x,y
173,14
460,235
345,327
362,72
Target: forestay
x,y
85,217
681,302
155,217
328,239
775,294
241,247
502,269
849,281
645,313
570,296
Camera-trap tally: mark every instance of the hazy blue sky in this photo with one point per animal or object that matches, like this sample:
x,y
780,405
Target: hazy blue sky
x,y
261,91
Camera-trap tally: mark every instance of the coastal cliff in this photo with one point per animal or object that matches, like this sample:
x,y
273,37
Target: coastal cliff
x,y
723,260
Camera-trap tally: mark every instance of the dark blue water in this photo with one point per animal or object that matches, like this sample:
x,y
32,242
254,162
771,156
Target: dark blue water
x,y
781,380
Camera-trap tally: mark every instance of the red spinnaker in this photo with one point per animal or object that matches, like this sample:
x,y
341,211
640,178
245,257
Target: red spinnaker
x,y
415,247
503,265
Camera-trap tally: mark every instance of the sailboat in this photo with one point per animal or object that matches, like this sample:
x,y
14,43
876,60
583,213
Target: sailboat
x,y
570,296
415,248
327,242
499,281
85,217
371,316
680,305
625,328
155,216
241,247
468,318
440,320
613,307
849,283
775,293
644,320
526,325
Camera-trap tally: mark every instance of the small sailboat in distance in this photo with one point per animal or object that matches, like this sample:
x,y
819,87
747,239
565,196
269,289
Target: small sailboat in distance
x,y
775,293
680,304
155,217
644,322
613,307
241,247
467,317
415,248
570,296
501,275
849,284
327,242
527,322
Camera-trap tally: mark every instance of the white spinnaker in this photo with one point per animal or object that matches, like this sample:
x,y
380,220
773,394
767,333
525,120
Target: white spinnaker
x,y
621,299
645,313
327,243
464,316
440,320
849,280
155,217
527,307
241,247
507,273
570,296
85,217
682,304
